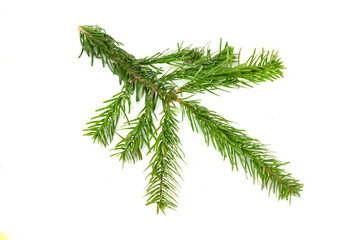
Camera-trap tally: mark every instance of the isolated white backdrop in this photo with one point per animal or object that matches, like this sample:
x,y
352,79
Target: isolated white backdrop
x,y
56,184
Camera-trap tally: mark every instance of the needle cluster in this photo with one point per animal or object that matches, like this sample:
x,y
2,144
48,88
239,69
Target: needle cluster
x,y
203,71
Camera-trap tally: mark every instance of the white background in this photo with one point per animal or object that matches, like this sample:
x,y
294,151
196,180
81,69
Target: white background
x,y
55,184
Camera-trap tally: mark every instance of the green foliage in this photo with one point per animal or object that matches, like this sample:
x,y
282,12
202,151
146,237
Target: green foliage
x,y
181,54
142,130
238,147
204,71
163,186
219,70
103,127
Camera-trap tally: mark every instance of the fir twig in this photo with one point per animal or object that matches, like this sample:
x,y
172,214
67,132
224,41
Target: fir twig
x,y
204,71
238,147
103,127
142,130
163,184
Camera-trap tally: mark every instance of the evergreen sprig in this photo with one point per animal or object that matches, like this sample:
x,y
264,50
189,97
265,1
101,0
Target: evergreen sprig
x,y
103,127
185,54
204,71
163,184
238,147
142,130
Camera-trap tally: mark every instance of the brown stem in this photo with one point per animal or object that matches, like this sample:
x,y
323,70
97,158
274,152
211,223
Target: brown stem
x,y
176,91
83,31
132,81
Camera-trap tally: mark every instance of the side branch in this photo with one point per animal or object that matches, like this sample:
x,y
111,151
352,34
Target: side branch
x,y
163,186
142,130
238,147
103,127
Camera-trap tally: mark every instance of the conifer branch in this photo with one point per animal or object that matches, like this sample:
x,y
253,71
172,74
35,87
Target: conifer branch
x,y
205,72
163,185
142,130
182,54
219,71
103,127
238,147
